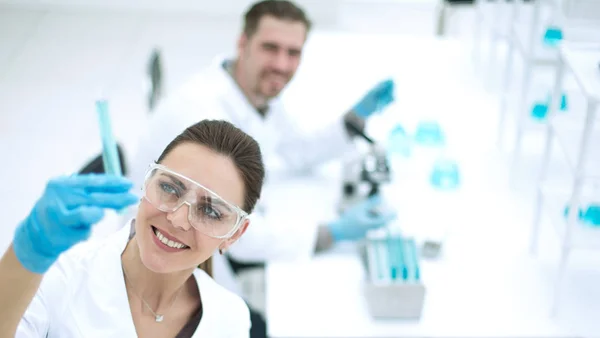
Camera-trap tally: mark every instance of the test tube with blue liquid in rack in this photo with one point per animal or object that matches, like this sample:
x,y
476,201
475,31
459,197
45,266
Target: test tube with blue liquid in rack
x,y
393,258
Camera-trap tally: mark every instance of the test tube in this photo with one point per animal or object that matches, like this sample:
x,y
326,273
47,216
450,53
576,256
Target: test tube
x,y
373,261
383,259
396,257
392,257
110,155
402,259
413,258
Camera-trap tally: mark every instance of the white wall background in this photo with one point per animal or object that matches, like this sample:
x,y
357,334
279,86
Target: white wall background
x,y
57,56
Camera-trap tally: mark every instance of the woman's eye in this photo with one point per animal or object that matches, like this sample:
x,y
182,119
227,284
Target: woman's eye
x,y
210,212
169,188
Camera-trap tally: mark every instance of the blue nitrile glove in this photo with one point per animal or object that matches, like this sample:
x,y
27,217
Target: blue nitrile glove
x,y
376,99
64,215
354,223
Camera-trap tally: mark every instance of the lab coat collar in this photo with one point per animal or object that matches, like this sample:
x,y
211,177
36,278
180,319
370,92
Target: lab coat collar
x,y
116,302
235,93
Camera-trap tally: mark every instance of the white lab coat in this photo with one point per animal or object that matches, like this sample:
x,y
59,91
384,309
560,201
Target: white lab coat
x,y
84,295
213,94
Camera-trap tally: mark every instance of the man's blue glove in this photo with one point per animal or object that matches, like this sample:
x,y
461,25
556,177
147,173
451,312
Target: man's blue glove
x,y
64,215
376,99
360,218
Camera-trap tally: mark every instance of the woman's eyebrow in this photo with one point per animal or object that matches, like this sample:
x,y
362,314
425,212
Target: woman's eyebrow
x,y
208,199
176,181
216,201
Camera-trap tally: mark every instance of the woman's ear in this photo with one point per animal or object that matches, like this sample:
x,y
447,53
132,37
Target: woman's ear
x,y
228,242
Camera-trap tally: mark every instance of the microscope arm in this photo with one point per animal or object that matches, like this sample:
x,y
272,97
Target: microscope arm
x,y
358,131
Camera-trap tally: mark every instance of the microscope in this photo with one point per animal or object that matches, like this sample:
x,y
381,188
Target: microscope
x,y
364,173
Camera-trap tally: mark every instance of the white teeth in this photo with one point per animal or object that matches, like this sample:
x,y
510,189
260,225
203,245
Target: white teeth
x,y
168,242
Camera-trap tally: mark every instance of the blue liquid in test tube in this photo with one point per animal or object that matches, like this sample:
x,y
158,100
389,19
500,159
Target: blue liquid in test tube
x,y
110,155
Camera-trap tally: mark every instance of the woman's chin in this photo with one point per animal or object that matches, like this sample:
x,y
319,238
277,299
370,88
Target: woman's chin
x,y
156,263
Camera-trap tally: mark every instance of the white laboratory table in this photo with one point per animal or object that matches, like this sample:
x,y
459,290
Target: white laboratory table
x,y
321,296
466,293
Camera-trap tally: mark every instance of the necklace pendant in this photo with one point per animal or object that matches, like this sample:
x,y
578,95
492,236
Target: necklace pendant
x,y
159,318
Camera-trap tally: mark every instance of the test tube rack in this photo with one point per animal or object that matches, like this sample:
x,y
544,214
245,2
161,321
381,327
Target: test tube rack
x,y
393,287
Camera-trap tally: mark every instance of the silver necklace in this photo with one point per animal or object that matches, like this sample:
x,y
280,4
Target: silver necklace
x,y
157,317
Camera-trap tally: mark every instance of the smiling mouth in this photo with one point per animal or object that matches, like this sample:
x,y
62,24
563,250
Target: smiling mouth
x,y
164,240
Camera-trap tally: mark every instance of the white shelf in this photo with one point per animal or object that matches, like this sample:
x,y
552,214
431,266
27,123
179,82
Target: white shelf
x,y
568,133
496,16
541,53
583,61
583,236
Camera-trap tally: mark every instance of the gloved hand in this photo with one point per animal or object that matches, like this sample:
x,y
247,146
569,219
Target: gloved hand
x,y
354,223
63,216
376,99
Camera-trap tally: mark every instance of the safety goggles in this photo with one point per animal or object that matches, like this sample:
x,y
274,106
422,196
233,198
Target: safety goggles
x,y
208,213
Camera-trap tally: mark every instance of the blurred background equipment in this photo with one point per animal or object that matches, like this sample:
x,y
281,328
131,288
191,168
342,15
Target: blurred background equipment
x,y
155,75
364,173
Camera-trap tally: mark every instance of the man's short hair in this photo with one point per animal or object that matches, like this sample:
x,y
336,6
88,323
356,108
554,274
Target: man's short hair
x,y
280,9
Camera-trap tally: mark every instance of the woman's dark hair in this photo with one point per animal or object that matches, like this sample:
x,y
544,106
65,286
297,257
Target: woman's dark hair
x,y
228,140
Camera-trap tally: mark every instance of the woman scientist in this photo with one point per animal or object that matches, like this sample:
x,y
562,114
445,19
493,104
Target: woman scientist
x,y
143,280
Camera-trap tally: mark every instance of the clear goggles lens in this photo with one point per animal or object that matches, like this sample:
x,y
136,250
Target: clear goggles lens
x,y
207,212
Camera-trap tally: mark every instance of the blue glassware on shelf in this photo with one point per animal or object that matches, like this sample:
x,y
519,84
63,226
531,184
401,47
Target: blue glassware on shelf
x,y
552,36
579,213
540,109
592,215
399,142
445,175
430,133
563,102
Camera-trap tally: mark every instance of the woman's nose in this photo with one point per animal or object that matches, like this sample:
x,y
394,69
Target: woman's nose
x,y
179,217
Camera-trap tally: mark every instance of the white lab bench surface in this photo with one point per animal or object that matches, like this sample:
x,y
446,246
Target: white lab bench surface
x,y
469,289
